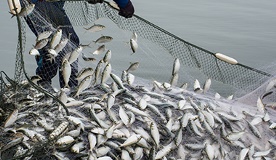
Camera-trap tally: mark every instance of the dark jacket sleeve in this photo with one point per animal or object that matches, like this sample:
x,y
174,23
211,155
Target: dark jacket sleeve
x,y
121,3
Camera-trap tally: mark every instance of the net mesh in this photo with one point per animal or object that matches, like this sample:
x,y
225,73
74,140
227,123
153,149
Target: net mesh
x,y
240,76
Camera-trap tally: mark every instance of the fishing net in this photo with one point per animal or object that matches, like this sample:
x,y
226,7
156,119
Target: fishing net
x,y
239,75
44,118
154,46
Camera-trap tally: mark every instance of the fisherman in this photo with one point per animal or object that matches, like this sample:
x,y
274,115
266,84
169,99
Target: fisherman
x,y
55,15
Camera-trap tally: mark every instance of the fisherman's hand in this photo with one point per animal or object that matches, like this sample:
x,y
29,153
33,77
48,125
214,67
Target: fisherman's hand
x,y
95,1
127,11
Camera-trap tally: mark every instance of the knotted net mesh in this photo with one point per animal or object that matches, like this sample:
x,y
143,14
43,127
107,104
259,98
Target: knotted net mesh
x,y
197,61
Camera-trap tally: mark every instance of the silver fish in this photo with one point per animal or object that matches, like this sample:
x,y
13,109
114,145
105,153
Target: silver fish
x,y
65,140
98,70
56,38
164,151
99,50
117,80
75,54
84,73
66,71
41,43
176,66
88,58
155,133
210,151
44,35
134,36
206,85
243,153
77,147
92,141
197,87
134,138
83,84
95,28
107,56
174,79
123,115
11,119
106,73
104,39
34,52
133,66
133,45
61,45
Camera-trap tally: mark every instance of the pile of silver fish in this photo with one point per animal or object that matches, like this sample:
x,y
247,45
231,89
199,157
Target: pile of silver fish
x,y
108,116
118,118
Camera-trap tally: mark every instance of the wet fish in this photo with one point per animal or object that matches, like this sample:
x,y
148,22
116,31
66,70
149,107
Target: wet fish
x,y
104,39
66,71
98,71
134,36
59,47
133,45
34,52
83,84
11,119
197,87
56,38
44,35
88,58
99,50
176,66
107,56
133,66
106,73
206,85
41,43
75,54
95,28
84,73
